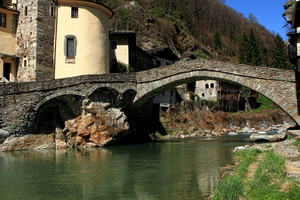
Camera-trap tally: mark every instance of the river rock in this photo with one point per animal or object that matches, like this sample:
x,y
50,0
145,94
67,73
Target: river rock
x,y
3,135
271,138
245,130
232,133
27,142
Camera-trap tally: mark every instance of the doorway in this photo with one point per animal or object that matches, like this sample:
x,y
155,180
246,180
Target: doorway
x,y
6,71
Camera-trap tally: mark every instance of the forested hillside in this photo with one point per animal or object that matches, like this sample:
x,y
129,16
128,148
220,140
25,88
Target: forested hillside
x,y
207,28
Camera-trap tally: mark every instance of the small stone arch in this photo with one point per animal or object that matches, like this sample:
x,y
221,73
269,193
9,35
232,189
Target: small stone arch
x,y
55,111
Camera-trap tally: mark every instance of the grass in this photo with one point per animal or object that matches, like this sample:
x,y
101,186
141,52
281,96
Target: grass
x,y
265,104
268,182
245,158
297,142
229,188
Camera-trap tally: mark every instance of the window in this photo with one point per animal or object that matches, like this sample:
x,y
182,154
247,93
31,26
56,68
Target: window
x,y
206,85
203,94
2,20
114,45
26,10
70,48
51,11
212,85
74,12
25,62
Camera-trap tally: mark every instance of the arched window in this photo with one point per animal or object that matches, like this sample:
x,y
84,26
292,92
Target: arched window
x,y
212,85
206,85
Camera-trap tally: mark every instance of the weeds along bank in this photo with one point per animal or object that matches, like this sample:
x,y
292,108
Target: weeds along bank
x,y
202,122
263,171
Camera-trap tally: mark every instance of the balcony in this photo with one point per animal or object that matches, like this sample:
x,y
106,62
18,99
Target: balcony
x,y
290,31
292,52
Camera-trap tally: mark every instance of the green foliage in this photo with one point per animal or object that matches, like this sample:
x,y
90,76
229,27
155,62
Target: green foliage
x,y
175,14
217,41
210,104
252,19
297,142
279,56
158,11
111,3
229,188
249,52
245,158
265,104
122,67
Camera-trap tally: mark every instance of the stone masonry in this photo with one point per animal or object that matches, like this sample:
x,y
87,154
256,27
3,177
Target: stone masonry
x,y
35,37
21,102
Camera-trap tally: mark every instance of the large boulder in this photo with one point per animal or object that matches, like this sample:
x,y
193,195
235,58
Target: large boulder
x,y
28,142
98,125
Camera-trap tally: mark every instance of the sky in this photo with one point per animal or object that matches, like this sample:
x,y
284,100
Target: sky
x,y
267,12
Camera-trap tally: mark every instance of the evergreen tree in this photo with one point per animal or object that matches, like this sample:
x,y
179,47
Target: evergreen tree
x,y
254,52
248,50
243,50
279,55
217,41
252,19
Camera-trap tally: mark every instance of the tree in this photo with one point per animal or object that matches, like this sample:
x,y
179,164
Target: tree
x,y
279,55
222,1
248,50
252,19
217,41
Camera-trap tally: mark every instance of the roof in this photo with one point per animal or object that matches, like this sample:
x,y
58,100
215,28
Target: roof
x,y
121,32
290,9
289,3
96,4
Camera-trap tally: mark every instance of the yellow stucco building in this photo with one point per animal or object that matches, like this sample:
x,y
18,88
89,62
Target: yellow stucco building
x,y
47,39
8,58
82,38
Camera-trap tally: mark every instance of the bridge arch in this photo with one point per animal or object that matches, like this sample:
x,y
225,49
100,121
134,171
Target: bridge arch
x,y
276,84
55,110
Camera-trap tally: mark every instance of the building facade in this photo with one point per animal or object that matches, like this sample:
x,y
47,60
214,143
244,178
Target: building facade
x,y
292,16
50,39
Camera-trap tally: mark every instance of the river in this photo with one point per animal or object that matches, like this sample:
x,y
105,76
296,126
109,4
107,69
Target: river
x,y
185,169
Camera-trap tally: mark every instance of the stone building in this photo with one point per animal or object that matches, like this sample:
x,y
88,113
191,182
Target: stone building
x,y
292,16
47,39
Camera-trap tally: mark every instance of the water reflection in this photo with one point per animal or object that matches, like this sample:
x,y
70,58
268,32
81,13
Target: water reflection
x,y
173,170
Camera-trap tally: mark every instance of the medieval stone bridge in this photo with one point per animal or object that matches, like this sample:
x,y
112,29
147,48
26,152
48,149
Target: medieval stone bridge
x,y
21,104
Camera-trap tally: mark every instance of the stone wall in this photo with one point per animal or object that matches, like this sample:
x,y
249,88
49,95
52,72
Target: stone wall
x,y
26,40
45,40
35,40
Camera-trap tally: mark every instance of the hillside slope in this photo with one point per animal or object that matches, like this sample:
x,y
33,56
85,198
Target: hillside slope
x,y
188,26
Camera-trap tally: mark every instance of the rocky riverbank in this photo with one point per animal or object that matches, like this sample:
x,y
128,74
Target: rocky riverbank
x,y
263,171
98,125
262,126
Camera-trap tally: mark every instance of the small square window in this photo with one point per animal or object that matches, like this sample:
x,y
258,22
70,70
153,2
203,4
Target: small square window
x,y
2,20
74,12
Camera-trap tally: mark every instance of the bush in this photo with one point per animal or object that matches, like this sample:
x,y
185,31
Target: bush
x,y
159,12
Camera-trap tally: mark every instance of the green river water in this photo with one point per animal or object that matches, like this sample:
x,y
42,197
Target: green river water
x,y
187,169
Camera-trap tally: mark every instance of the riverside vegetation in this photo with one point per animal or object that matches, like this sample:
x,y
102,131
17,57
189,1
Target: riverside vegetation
x,y
190,119
258,175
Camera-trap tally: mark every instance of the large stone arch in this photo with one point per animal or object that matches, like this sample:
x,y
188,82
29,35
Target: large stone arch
x,y
276,84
